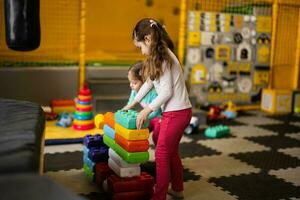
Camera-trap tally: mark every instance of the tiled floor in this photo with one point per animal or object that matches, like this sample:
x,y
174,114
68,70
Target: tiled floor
x,y
259,160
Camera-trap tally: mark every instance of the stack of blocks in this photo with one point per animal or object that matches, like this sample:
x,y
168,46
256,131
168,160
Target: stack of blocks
x,y
83,116
128,148
95,152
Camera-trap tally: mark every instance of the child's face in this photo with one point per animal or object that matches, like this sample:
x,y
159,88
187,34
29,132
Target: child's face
x,y
135,84
144,46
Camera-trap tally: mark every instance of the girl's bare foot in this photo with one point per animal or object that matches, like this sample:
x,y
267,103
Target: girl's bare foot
x,y
176,195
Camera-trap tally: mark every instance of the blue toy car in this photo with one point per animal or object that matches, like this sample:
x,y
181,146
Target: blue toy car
x,y
64,120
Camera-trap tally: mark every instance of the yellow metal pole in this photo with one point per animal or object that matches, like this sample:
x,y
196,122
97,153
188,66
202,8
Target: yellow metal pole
x,y
273,39
182,27
82,44
297,61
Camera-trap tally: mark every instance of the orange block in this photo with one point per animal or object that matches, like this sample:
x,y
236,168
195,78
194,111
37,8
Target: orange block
x,y
132,145
109,118
62,102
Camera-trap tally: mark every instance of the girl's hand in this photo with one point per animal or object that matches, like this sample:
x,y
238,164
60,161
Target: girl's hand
x,y
130,106
142,117
127,107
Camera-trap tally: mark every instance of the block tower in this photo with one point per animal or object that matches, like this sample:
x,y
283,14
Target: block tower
x,y
128,149
83,116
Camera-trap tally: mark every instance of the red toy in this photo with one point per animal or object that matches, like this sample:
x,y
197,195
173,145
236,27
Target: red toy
x,y
214,113
102,172
144,182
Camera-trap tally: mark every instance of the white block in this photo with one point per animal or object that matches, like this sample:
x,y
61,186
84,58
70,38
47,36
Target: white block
x,y
118,160
124,172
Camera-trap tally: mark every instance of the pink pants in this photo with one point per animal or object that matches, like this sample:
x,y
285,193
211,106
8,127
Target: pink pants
x,y
168,163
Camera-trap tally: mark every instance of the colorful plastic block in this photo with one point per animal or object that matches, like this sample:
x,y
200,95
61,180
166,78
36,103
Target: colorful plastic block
x,y
217,131
85,151
144,182
108,141
98,154
124,171
109,119
91,165
129,134
132,145
99,121
88,172
102,172
93,141
128,119
109,131
138,157
118,160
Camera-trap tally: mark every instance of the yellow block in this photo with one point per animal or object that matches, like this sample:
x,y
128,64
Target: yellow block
x,y
276,101
128,134
99,121
194,38
263,24
61,109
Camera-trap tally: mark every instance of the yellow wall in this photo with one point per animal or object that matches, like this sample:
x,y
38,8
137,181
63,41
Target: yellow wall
x,y
59,27
109,25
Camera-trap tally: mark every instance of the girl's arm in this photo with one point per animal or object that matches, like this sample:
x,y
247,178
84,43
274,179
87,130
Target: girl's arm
x,y
164,94
143,90
140,95
165,89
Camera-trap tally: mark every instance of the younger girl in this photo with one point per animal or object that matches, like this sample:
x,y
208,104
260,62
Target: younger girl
x,y
136,81
163,71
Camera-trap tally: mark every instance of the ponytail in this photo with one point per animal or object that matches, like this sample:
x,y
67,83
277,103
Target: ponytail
x,y
160,42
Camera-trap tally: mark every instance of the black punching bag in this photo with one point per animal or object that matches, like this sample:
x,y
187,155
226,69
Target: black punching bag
x,y
22,24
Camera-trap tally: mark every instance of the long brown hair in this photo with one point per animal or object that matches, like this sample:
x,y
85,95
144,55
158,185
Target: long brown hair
x,y
160,42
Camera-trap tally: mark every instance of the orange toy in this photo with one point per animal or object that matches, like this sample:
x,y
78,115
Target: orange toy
x,y
109,119
132,145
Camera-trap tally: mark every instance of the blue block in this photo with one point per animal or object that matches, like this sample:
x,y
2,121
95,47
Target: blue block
x,y
93,141
91,165
98,154
85,151
110,132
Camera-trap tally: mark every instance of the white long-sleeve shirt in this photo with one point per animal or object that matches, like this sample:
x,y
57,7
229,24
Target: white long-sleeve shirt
x,y
171,90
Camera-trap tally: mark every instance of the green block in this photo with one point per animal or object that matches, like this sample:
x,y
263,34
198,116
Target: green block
x,y
109,141
127,119
217,131
132,158
88,172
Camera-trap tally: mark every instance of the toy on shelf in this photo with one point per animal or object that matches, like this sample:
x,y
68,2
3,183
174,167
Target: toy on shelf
x,y
64,120
217,131
83,116
62,105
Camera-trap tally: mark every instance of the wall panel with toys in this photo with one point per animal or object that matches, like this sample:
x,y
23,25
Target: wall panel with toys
x,y
227,54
